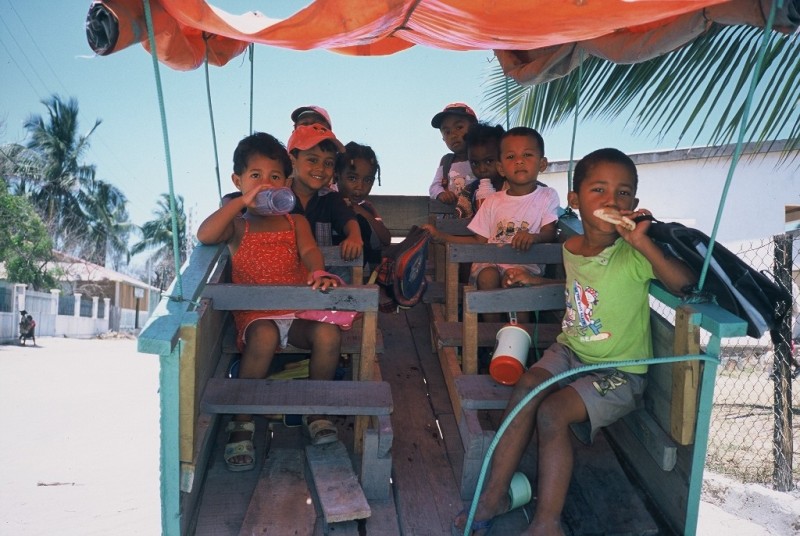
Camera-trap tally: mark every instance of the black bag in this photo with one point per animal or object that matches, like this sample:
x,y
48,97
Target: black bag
x,y
735,285
402,270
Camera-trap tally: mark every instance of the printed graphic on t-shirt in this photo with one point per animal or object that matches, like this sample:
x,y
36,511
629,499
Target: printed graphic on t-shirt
x,y
506,229
579,320
456,182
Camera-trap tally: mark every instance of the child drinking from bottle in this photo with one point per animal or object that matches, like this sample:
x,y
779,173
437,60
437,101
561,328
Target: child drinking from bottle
x,y
270,249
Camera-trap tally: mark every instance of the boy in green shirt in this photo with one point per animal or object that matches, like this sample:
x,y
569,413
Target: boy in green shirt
x,y
608,269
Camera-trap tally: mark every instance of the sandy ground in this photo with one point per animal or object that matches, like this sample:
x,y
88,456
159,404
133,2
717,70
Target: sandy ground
x,y
79,441
80,449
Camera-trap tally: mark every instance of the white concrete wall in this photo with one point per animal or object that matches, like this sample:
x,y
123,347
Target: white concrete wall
x,y
689,191
80,327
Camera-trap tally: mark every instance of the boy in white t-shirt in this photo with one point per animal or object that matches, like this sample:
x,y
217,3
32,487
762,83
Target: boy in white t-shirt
x,y
522,215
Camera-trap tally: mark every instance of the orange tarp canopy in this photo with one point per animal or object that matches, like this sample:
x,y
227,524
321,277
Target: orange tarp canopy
x,y
534,40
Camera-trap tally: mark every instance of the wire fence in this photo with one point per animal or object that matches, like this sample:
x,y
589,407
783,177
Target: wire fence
x,y
755,429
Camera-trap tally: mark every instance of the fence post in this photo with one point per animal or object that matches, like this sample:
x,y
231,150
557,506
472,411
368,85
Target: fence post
x,y
76,306
782,374
95,303
54,292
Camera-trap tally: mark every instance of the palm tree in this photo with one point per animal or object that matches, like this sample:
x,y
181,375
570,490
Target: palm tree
x,y
109,224
20,168
63,176
157,235
696,91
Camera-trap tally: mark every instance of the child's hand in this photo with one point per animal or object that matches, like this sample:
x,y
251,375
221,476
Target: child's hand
x,y
250,197
358,209
447,197
642,218
523,240
435,234
351,248
322,280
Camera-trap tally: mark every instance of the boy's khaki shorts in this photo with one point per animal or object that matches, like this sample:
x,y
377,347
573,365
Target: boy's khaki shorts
x,y
608,394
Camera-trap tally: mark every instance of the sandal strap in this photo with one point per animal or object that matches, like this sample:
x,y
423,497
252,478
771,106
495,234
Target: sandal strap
x,y
239,447
241,426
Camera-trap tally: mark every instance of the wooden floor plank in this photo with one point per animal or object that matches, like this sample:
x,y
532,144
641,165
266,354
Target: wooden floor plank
x,y
280,503
418,322
426,492
226,495
337,487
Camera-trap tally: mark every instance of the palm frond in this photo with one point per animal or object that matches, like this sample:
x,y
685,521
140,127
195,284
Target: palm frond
x,y
697,92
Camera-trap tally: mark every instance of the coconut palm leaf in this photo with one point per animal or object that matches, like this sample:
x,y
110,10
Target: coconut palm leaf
x,y
109,225
63,175
697,91
157,237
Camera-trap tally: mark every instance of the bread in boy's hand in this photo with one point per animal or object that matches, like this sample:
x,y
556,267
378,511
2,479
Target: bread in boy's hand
x,y
612,215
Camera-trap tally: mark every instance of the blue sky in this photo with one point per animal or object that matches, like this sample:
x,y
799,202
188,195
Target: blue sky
x,y
386,102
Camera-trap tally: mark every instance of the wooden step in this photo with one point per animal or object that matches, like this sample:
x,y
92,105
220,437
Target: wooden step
x,y
340,495
479,391
302,397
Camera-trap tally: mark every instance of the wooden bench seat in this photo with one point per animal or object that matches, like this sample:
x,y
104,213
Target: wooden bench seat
x,y
223,395
548,297
456,254
452,333
360,398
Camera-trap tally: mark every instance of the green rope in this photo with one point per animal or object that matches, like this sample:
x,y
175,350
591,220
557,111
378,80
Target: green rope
x,y
172,209
211,117
740,141
251,50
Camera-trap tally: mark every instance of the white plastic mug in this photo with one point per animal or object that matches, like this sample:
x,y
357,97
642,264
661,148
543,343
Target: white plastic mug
x,y
510,354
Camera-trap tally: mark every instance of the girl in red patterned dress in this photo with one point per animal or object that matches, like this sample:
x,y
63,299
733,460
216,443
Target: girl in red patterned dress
x,y
267,250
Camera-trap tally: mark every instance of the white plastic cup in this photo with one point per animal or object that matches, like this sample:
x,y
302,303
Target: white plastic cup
x,y
274,202
510,354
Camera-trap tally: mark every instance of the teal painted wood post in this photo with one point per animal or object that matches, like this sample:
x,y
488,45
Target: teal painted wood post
x,y
169,389
705,405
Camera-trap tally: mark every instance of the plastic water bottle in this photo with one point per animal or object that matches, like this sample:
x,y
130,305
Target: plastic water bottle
x,y
274,202
485,189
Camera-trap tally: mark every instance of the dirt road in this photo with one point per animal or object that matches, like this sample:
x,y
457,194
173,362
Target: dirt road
x,y
79,440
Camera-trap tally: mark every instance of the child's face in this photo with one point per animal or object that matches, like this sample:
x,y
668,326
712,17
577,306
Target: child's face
x,y
356,181
606,184
521,160
483,160
313,168
260,170
453,129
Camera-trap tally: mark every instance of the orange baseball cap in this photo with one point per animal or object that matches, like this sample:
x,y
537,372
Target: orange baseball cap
x,y
307,136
